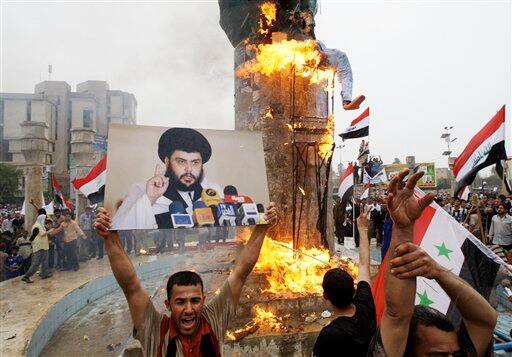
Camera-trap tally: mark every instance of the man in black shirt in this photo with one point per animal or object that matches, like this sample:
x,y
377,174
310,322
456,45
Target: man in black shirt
x,y
354,324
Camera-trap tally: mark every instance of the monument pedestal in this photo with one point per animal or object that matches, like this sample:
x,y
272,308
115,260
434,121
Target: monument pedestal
x,y
35,147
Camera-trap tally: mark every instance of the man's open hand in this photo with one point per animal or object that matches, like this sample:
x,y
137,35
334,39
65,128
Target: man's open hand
x,y
102,224
362,221
156,186
405,208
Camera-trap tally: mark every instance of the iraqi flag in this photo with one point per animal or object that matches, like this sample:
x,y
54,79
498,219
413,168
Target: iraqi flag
x,y
486,148
59,196
346,188
464,193
453,247
359,127
93,185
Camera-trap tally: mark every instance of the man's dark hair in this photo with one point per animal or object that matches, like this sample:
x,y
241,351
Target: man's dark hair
x,y
426,316
338,287
41,211
183,278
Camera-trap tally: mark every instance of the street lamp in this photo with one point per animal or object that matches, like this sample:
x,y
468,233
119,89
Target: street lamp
x,y
447,138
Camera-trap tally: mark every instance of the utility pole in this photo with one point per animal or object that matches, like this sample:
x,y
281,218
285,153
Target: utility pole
x,y
448,139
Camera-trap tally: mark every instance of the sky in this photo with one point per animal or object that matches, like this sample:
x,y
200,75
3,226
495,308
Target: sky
x,y
422,65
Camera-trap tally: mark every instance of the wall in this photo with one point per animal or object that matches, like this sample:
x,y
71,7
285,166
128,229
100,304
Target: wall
x,y
78,106
100,90
58,92
15,113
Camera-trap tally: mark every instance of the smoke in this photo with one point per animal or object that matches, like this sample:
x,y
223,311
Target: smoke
x,y
188,76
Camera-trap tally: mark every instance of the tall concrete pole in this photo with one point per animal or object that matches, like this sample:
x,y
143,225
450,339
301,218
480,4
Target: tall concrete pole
x,y
267,104
35,147
82,149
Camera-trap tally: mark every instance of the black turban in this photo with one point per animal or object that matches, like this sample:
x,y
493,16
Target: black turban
x,y
184,139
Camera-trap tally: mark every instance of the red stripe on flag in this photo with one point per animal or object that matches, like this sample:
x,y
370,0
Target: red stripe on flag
x,y
56,185
95,172
419,229
421,225
348,171
378,291
363,115
478,139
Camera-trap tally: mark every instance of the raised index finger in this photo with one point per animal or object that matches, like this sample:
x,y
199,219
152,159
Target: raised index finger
x,y
157,170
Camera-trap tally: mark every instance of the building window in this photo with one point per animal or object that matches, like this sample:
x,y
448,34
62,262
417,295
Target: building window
x,y
5,155
87,116
29,110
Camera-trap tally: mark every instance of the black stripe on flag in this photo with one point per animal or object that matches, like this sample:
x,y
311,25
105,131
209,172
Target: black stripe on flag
x,y
364,131
496,154
98,196
347,196
479,271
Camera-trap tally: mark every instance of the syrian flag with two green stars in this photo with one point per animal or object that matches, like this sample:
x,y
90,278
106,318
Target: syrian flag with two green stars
x,y
455,248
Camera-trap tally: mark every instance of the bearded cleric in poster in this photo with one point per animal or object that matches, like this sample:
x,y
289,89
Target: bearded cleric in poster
x,y
184,152
184,185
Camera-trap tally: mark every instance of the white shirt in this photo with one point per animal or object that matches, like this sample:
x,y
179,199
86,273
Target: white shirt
x,y
136,211
7,225
501,229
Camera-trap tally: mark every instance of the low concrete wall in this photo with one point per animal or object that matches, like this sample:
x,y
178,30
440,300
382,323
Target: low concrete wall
x,y
87,293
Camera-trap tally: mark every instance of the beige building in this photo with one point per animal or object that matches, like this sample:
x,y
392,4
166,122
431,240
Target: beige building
x,y
93,106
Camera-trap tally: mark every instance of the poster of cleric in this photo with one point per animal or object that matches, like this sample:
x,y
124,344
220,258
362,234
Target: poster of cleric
x,y
166,178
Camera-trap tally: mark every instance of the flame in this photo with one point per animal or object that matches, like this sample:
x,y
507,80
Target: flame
x,y
287,272
267,318
262,318
269,114
290,127
325,145
303,56
267,17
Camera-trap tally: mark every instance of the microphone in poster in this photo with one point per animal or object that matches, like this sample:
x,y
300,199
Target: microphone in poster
x,y
203,216
179,216
227,214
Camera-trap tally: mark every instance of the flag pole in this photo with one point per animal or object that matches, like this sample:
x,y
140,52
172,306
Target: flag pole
x,y
476,203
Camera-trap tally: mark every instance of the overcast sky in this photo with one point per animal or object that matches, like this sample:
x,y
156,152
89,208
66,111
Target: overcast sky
x,y
422,65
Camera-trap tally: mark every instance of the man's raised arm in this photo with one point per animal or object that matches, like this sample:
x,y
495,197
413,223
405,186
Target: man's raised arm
x,y
479,317
404,208
249,255
364,245
123,269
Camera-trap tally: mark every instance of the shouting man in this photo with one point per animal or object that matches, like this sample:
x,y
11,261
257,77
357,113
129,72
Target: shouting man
x,y
183,151
193,328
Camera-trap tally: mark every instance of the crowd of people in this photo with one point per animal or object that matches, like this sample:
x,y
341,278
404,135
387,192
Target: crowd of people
x,y
488,216
56,241
59,242
192,326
